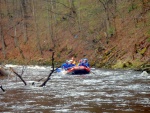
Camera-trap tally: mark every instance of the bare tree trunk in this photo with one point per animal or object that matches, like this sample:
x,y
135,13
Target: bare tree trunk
x,y
24,14
1,33
105,5
114,16
37,28
48,20
107,19
50,24
79,18
74,20
115,5
53,5
72,8
25,31
69,1
15,37
7,8
16,41
3,42
14,23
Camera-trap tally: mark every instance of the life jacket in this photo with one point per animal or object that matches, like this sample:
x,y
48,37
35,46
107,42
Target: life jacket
x,y
64,65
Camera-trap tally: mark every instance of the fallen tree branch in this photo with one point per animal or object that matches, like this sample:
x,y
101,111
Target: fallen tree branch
x,y
2,88
18,75
23,70
52,71
33,83
40,79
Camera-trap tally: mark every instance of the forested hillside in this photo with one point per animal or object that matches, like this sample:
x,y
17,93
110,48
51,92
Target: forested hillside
x,y
110,33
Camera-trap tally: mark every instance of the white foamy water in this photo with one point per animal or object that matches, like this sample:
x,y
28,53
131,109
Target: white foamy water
x,y
100,91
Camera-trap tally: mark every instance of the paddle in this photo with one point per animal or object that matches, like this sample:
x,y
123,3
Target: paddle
x,y
58,70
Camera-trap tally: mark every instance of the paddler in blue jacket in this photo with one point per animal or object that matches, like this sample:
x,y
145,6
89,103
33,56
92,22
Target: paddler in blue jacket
x,y
70,64
84,63
65,65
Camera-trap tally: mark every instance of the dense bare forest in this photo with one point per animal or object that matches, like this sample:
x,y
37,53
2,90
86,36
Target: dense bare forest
x,y
110,33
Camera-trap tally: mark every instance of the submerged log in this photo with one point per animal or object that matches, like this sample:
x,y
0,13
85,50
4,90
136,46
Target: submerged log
x,y
52,71
18,76
2,88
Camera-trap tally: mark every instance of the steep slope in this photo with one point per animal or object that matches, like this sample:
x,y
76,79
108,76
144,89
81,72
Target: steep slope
x,y
82,32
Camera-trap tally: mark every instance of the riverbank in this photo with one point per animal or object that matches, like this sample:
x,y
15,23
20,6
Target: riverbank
x,y
133,65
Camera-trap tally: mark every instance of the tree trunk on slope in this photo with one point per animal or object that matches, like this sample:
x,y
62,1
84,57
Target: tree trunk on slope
x,y
105,5
24,14
36,27
3,42
50,23
1,33
16,41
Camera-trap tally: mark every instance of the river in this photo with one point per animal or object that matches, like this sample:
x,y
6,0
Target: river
x,y
101,91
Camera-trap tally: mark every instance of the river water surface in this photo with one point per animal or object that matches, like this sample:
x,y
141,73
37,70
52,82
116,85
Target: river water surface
x,y
101,91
